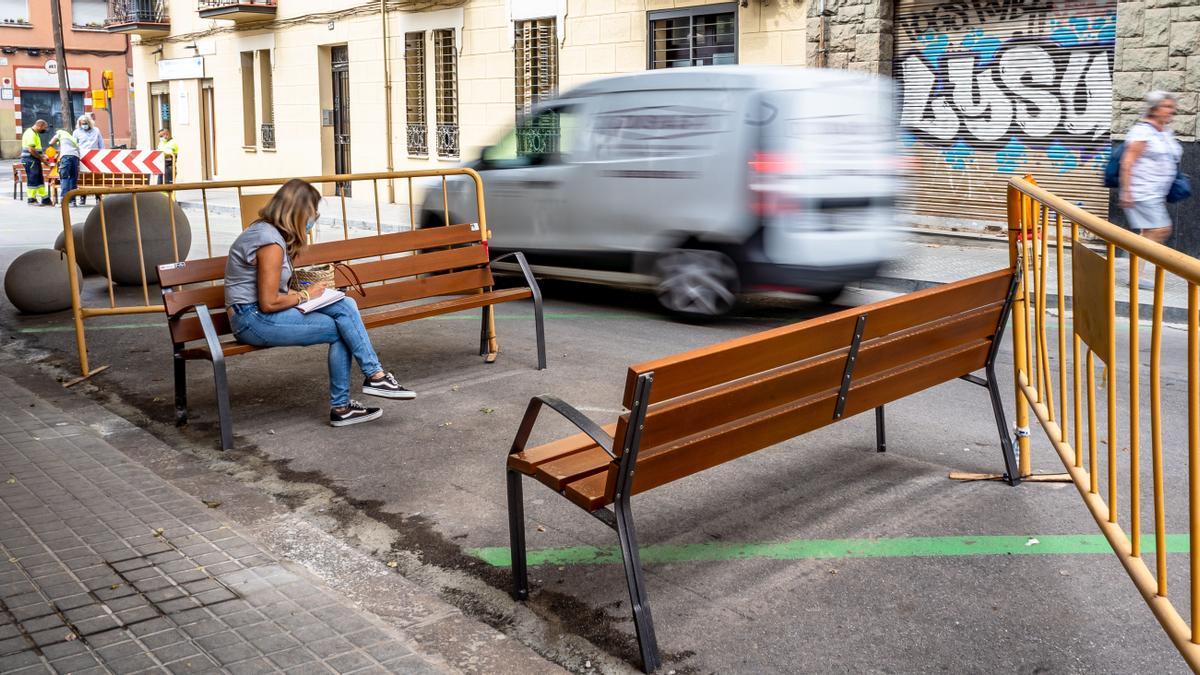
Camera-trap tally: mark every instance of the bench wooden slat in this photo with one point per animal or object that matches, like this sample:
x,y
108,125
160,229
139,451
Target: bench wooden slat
x,y
425,287
684,415
437,308
212,296
396,242
187,328
412,265
557,473
713,446
589,493
707,366
528,460
192,271
227,348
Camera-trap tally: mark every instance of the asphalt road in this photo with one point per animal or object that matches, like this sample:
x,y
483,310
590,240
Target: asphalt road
x,y
424,487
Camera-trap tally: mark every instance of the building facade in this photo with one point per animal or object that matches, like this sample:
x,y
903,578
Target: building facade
x,y
28,68
986,89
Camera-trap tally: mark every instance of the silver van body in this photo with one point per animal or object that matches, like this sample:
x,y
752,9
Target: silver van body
x,y
699,182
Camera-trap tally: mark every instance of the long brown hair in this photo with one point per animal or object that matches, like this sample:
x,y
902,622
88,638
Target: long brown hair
x,y
289,211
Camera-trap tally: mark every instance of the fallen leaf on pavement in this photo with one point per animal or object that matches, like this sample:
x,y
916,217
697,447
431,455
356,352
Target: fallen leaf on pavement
x,y
487,411
393,564
210,503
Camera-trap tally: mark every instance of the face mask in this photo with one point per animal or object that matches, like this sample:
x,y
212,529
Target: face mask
x,y
312,222
85,125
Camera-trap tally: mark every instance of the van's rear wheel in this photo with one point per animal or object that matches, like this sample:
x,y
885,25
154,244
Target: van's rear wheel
x,y
697,283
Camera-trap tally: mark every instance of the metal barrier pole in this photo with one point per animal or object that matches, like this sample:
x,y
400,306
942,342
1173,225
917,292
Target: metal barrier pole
x,y
1019,315
76,302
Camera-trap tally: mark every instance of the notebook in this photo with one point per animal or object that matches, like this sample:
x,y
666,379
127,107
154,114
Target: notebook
x,y
330,296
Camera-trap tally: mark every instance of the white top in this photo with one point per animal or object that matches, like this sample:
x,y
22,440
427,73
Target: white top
x,y
1151,176
67,145
89,139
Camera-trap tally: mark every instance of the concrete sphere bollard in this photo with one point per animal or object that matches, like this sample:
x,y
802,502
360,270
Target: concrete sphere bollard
x,y
80,255
155,222
37,282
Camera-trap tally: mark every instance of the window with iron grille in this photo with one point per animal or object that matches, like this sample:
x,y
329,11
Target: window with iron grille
x,y
414,94
266,87
536,50
445,80
695,36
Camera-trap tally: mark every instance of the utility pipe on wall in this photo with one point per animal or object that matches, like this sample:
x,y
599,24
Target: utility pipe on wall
x,y
387,97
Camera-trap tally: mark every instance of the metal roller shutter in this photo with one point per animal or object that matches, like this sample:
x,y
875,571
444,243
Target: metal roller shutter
x,y
995,88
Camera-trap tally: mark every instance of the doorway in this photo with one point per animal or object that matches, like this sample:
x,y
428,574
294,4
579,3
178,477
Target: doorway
x,y
47,105
160,109
339,61
208,122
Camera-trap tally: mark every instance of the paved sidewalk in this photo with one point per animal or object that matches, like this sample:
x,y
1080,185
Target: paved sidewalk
x,y
929,260
106,567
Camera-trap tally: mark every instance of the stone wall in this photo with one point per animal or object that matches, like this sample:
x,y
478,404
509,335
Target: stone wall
x,y
858,34
1158,47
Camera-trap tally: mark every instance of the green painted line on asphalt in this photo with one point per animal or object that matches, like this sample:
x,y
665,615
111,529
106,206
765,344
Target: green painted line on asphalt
x,y
452,317
816,549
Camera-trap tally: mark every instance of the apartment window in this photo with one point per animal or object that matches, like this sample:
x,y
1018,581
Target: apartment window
x,y
537,79
414,94
695,36
89,13
445,79
267,99
14,12
249,116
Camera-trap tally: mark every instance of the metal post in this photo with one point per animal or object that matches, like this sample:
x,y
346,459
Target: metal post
x,y
60,56
516,533
1019,312
880,434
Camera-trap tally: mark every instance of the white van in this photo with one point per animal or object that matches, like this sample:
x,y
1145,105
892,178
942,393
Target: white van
x,y
701,183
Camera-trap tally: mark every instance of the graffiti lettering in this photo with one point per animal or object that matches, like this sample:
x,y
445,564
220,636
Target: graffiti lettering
x,y
956,15
1021,86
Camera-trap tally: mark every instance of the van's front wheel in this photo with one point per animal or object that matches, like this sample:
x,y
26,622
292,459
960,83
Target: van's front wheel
x,y
697,283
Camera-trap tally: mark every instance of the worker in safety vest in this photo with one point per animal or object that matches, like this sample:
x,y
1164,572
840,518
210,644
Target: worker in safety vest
x,y
31,159
170,150
68,162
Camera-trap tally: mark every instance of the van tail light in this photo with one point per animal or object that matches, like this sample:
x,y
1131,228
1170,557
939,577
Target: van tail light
x,y
773,163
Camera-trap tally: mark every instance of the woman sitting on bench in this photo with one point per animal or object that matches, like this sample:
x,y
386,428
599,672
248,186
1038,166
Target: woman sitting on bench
x,y
263,311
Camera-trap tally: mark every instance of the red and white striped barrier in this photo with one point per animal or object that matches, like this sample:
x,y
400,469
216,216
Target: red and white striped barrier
x,y
122,161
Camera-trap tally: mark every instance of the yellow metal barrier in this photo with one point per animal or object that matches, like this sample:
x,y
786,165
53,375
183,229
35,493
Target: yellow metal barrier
x,y
339,182
1037,220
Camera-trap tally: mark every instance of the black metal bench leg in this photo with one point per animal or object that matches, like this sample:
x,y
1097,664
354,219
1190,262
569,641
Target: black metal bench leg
x,y
223,413
642,621
516,536
1011,467
540,327
483,333
880,432
181,413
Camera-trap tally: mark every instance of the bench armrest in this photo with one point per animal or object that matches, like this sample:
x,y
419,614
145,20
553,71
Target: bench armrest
x,y
572,415
210,331
528,273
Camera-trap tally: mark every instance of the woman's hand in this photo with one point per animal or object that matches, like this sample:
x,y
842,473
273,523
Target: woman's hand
x,y
315,290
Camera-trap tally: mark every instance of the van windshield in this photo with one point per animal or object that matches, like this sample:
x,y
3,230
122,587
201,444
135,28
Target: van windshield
x,y
548,137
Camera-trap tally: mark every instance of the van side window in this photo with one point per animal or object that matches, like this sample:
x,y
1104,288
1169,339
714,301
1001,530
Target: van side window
x,y
546,138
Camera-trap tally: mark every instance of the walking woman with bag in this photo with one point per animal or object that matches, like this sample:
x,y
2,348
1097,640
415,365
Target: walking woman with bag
x,y
263,310
1149,168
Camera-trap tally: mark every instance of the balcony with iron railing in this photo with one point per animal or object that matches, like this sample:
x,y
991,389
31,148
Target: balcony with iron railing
x,y
237,10
147,18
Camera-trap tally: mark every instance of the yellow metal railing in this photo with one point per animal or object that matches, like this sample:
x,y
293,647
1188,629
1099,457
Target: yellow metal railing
x,y
122,304
1039,221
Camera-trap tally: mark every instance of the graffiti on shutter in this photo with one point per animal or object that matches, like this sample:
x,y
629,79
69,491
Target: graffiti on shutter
x,y
997,88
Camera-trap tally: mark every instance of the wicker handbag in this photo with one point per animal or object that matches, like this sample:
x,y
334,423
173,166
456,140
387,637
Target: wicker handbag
x,y
324,274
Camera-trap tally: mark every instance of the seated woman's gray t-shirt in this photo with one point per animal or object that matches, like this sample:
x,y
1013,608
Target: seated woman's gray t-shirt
x,y
241,270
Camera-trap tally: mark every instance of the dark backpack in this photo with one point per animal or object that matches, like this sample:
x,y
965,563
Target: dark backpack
x,y
1112,170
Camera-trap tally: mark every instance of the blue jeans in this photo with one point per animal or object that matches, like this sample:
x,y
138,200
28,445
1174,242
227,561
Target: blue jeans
x,y
339,325
68,174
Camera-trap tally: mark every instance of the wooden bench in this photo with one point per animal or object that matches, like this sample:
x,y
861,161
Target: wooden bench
x,y
19,178
451,273
704,407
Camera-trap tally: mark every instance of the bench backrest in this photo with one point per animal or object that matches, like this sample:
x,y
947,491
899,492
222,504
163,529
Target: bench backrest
x,y
716,403
458,265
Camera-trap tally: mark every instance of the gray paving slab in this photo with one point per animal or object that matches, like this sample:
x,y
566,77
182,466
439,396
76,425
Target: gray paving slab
x,y
106,566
